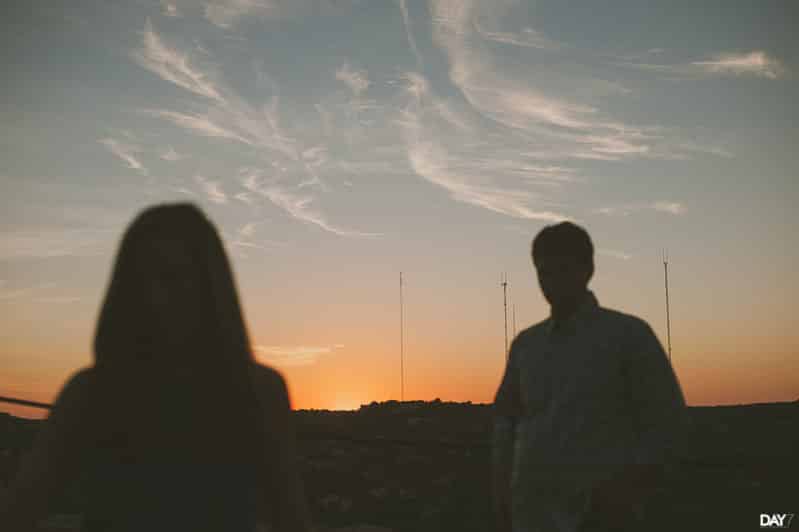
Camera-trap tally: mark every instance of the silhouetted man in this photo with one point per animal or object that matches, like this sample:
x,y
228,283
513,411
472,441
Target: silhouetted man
x,y
587,405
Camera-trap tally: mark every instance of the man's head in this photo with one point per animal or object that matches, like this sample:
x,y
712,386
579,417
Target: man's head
x,y
563,256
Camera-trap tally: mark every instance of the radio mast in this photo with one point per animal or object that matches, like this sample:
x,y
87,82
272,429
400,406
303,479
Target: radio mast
x,y
402,344
668,319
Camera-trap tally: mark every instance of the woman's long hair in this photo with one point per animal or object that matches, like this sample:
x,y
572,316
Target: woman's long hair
x,y
173,365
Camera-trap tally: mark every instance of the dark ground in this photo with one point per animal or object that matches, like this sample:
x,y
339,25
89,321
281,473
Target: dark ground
x,y
418,466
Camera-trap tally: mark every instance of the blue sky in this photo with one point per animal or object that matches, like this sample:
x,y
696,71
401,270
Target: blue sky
x,y
337,143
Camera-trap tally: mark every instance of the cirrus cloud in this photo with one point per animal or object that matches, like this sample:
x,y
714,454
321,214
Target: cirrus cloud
x,y
756,63
300,355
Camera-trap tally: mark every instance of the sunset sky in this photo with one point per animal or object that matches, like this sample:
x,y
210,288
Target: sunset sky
x,y
337,143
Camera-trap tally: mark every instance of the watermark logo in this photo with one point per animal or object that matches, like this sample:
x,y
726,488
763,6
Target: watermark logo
x,y
775,520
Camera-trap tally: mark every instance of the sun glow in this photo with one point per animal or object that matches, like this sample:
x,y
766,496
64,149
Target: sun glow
x,y
343,403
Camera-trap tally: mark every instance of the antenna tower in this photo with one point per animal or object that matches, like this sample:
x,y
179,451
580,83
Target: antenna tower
x,y
668,318
402,344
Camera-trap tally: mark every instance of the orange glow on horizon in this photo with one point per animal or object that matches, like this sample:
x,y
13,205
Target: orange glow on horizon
x,y
355,377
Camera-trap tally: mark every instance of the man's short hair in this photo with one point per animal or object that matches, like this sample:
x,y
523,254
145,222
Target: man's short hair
x,y
564,239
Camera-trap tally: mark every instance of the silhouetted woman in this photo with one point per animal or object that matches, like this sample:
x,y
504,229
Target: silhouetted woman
x,y
175,426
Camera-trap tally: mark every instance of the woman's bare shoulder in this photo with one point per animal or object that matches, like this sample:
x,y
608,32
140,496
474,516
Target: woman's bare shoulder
x,y
268,381
76,386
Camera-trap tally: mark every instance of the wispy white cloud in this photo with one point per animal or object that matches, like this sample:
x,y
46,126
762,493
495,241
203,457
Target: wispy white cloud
x,y
301,355
243,197
170,10
325,119
615,211
614,253
313,159
124,151
433,164
457,119
444,148
295,166
315,156
243,241
571,130
495,149
370,167
213,190
227,115
172,65
756,63
528,38
263,124
449,148
563,127
247,230
416,86
669,207
699,147
226,13
561,124
299,205
614,145
236,120
197,123
356,79
406,21
184,190
518,107
171,155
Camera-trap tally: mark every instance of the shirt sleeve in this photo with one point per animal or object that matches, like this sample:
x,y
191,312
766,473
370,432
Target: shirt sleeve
x,y
54,460
507,410
656,400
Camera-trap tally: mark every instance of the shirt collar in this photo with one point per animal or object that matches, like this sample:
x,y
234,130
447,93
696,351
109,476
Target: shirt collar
x,y
584,311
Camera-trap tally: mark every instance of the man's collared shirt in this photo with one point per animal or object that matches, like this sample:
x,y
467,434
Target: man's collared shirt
x,y
579,401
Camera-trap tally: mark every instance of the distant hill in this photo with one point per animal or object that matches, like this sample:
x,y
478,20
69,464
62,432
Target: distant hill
x,y
420,466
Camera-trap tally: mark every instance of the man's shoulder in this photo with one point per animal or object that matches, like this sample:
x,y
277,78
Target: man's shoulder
x,y
527,338
532,331
623,322
625,318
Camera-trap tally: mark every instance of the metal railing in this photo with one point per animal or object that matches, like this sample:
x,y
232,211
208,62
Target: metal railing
x,y
25,402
